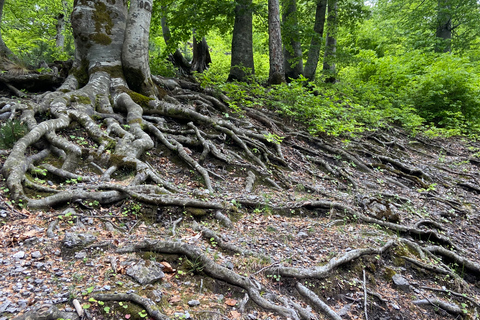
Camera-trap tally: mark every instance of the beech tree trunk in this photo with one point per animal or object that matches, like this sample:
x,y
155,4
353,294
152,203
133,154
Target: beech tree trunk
x,y
242,64
316,43
293,48
330,42
60,38
444,27
277,72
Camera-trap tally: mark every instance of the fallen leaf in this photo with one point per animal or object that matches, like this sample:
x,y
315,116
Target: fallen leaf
x,y
235,314
174,299
167,268
230,302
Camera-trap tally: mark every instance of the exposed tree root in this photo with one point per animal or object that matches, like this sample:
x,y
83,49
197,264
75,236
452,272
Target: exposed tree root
x,y
325,270
146,303
317,302
216,271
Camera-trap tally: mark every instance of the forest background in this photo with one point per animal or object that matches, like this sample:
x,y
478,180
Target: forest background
x,y
390,61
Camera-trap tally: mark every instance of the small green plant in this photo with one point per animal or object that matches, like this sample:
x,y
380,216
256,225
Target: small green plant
x,y
143,314
11,132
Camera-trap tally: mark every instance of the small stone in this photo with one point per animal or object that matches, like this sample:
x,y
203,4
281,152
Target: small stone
x,y
302,234
19,255
146,272
107,288
229,265
193,303
80,255
72,239
36,254
401,282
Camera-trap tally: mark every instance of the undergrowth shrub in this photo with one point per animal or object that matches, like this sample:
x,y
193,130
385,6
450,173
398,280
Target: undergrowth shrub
x,y
442,89
10,132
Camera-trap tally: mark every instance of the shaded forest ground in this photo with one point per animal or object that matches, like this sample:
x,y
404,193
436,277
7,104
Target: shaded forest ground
x,y
384,222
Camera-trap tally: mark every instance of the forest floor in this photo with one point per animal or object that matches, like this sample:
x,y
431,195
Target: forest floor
x,y
421,194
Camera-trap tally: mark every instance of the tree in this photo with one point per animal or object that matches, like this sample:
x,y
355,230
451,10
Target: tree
x,y
444,26
291,35
276,73
316,42
330,42
242,64
437,25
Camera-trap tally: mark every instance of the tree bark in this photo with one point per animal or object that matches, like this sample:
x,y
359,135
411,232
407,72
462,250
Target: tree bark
x,y
316,42
242,64
292,48
330,42
201,55
444,27
135,48
60,38
277,72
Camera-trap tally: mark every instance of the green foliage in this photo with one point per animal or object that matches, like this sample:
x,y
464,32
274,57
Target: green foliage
x,y
10,132
416,87
29,29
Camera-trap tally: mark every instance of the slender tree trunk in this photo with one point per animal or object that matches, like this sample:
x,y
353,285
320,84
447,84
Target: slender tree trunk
x,y
293,48
60,38
201,55
242,64
444,27
331,42
4,50
277,73
316,42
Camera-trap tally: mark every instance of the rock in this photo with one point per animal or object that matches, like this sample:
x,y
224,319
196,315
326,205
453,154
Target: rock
x,y
229,265
193,303
146,272
73,240
36,254
401,283
180,315
302,234
19,255
80,255
345,310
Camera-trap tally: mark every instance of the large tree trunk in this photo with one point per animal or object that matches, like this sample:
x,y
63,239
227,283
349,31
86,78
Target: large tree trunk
x,y
242,43
316,43
293,48
277,72
331,43
444,27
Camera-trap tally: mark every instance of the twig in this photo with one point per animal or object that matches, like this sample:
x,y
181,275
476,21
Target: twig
x,y
304,291
365,294
175,225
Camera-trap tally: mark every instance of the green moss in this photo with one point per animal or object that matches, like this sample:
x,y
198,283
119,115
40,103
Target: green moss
x,y
389,273
101,38
138,98
101,16
81,99
81,73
